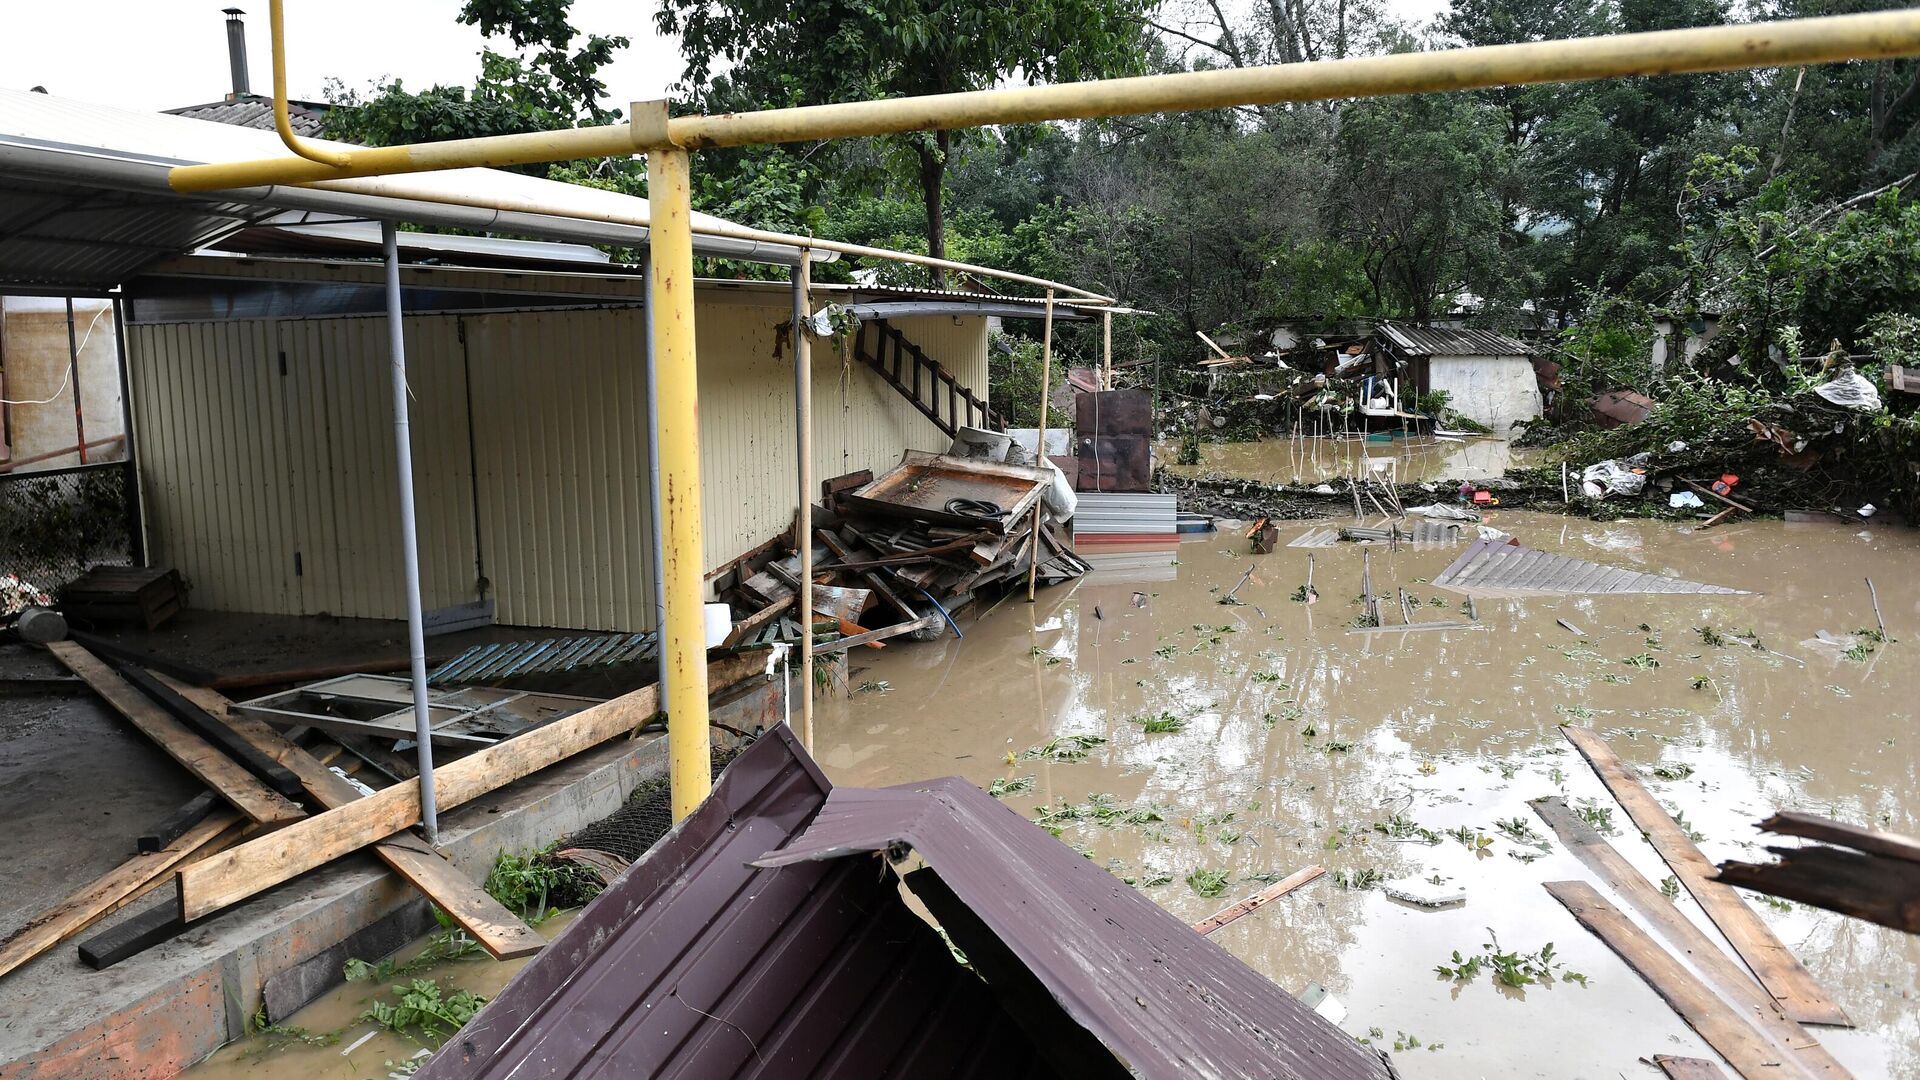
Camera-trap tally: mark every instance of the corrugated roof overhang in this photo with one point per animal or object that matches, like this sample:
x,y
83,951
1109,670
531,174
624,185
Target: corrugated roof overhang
x,y
85,203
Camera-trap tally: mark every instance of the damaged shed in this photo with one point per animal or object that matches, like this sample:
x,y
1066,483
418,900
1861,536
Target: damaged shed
x,y
1488,377
762,939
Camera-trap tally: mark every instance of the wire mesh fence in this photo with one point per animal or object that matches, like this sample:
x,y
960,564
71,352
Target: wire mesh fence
x,y
55,524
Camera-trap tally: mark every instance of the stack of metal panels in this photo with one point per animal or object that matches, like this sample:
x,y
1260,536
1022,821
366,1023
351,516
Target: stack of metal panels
x,y
1130,516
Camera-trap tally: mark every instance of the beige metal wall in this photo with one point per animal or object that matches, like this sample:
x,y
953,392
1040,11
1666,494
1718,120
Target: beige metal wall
x,y
529,451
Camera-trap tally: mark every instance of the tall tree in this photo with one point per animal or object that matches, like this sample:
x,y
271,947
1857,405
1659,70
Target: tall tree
x,y
818,51
547,82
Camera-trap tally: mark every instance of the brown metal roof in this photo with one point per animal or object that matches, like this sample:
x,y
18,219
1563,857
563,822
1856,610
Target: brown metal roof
x,y
760,939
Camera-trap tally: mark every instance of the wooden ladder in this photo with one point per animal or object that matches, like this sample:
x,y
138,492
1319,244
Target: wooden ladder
x,y
922,380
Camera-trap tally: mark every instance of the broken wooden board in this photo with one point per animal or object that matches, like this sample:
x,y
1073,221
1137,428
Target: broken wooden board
x,y
927,622
1506,568
1878,880
261,864
116,889
1258,900
1784,977
503,934
1733,983
244,790
1750,1054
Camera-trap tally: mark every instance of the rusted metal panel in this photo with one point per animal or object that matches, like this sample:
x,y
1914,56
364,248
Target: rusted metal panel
x,y
1618,408
705,959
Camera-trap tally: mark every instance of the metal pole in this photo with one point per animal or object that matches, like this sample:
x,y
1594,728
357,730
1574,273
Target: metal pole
x,y
1040,444
136,536
73,378
1106,348
803,519
409,530
683,642
656,531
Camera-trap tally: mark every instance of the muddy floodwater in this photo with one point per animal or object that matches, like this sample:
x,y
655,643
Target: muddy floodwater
x,y
1313,460
331,1039
1299,743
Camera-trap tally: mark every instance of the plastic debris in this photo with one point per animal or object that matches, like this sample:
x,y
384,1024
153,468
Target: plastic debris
x,y
1615,477
1684,500
1423,892
1850,389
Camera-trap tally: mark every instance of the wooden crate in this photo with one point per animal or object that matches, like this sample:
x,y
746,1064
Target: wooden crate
x,y
148,596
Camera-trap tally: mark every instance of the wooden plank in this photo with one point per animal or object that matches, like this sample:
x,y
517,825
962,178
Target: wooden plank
x,y
210,729
1873,841
498,930
244,790
1260,899
193,813
114,890
131,936
1715,968
1750,1054
261,864
1877,888
1687,1068
1778,970
874,579
747,626
845,643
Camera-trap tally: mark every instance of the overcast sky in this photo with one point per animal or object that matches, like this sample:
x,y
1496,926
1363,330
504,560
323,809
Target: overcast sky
x,y
162,54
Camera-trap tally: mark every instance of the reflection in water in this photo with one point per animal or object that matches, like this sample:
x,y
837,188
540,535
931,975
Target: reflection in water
x,y
1312,460
1298,737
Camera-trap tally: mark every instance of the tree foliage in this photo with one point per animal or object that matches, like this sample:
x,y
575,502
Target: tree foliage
x,y
819,51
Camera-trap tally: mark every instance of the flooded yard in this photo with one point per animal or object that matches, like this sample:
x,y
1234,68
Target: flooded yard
x,y
1201,750
1313,460
1257,738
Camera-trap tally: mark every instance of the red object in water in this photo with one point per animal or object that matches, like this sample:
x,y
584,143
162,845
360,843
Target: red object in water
x,y
1482,498
1725,484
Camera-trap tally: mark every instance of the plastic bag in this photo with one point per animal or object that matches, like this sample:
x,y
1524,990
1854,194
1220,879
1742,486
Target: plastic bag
x,y
1615,477
1850,389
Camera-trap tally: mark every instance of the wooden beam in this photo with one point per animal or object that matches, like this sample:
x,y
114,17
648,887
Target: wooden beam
x,y
1778,970
261,864
502,933
115,889
1715,968
244,790
1872,841
1750,1054
1260,899
747,626
1877,888
1687,1068
845,643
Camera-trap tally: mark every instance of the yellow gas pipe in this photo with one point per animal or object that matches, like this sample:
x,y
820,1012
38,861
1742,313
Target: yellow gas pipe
x,y
1878,35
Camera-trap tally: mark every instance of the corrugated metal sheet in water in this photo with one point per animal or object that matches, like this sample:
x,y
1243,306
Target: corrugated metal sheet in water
x,y
696,963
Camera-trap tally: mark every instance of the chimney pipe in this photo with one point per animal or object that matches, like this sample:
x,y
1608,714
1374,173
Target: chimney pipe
x,y
237,52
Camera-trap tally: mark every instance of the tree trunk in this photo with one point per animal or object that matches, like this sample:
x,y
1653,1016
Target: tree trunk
x,y
933,180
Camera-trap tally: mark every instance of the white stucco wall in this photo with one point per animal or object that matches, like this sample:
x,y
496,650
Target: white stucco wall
x,y
1498,391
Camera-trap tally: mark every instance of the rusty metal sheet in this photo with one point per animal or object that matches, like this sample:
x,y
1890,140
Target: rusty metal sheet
x,y
1114,463
699,962
1113,412
923,484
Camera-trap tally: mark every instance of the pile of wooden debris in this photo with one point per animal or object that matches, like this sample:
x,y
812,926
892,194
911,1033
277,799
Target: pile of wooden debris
x,y
899,554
